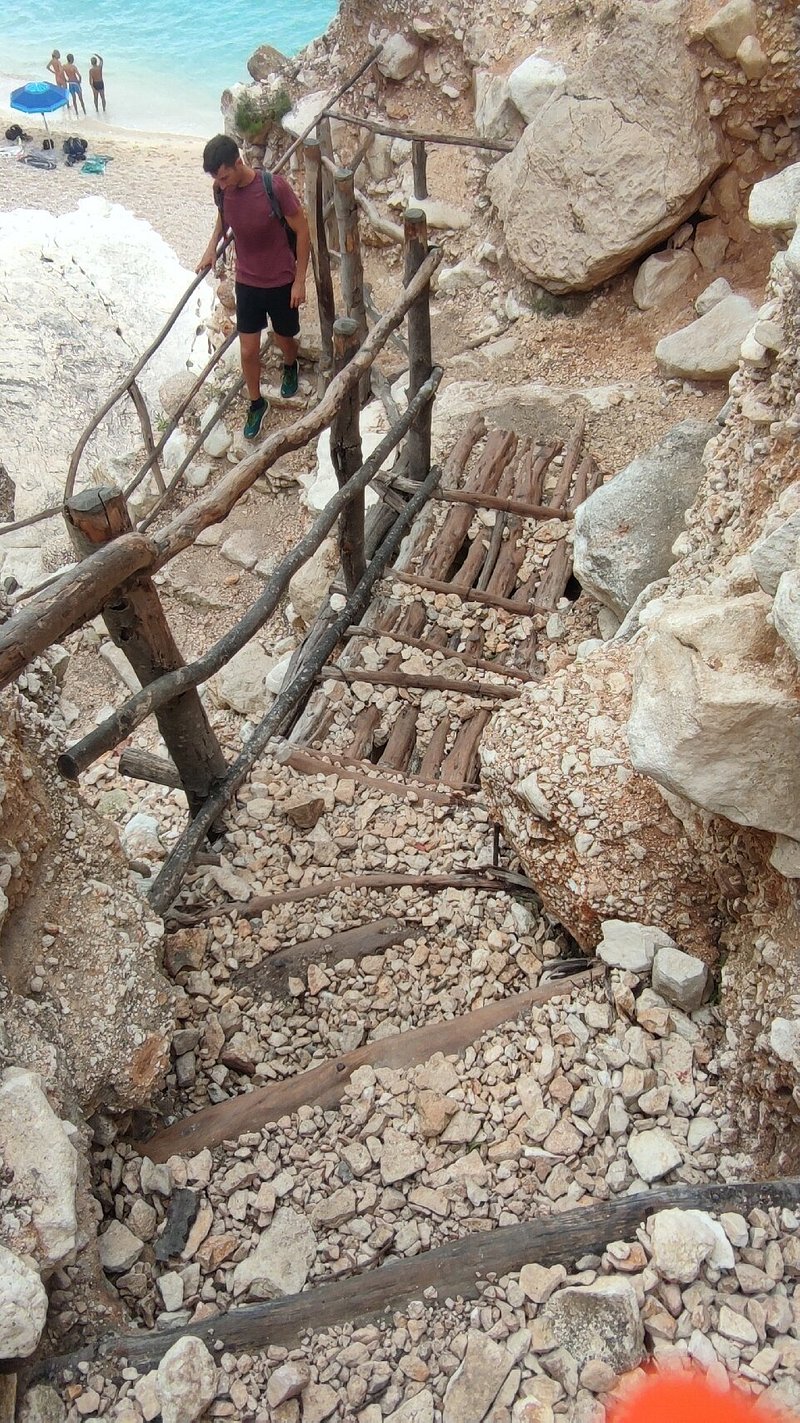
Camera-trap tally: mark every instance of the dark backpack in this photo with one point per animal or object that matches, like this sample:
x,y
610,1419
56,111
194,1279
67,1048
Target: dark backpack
x,y
266,178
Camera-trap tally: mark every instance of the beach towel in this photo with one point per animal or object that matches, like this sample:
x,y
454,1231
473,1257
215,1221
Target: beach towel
x,y
39,160
94,165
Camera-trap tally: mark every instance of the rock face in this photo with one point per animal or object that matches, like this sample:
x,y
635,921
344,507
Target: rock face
x,y
570,731
624,532
708,349
23,1306
599,1321
44,1164
786,612
186,1381
774,553
714,714
615,163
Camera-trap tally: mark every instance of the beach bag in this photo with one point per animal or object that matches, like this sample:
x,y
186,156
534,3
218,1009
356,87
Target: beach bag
x,y
277,211
48,143
15,132
75,147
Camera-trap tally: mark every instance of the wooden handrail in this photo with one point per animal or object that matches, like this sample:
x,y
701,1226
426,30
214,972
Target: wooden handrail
x,y
411,135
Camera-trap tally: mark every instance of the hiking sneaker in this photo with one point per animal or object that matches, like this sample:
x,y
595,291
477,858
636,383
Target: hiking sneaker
x,y
289,382
256,413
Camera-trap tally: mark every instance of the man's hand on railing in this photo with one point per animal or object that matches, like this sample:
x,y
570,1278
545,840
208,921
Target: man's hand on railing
x,y
207,260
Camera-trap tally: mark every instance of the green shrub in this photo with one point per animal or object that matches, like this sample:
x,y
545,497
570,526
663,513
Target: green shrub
x,y
253,114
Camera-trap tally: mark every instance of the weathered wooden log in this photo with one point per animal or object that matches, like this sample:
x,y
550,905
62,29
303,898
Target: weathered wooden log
x,y
272,974
366,773
140,406
499,449
364,728
492,501
402,738
556,575
137,624
218,411
324,1086
460,764
455,1270
169,879
144,766
434,751
572,455
346,456
320,257
116,727
419,167
489,881
432,683
420,361
351,269
450,139
431,645
470,595
328,199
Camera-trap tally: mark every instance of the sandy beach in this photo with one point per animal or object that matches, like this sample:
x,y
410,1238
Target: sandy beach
x,y
158,177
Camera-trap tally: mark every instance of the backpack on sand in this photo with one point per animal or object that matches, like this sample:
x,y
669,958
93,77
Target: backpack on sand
x,y
277,211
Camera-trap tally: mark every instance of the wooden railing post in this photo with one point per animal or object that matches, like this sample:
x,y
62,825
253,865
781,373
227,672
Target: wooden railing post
x,y
418,444
138,626
320,256
326,148
419,168
351,269
346,456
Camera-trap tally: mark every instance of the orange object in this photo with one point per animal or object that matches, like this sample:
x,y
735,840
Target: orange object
x,y
687,1398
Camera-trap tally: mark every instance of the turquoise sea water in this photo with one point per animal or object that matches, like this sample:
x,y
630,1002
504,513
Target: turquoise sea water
x,y
166,61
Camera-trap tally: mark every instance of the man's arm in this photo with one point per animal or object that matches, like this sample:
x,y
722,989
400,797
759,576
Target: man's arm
x,y
298,222
207,260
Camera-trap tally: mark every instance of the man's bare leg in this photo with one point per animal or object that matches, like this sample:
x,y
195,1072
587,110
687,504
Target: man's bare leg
x,y
250,352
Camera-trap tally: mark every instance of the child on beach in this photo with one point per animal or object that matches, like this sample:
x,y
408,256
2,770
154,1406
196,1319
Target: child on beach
x,y
97,81
74,81
57,69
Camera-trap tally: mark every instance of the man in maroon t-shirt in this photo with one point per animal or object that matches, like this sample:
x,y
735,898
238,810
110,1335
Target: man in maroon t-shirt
x,y
270,280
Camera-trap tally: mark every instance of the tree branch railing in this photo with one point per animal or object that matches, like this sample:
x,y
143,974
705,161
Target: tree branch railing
x,y
81,592
133,712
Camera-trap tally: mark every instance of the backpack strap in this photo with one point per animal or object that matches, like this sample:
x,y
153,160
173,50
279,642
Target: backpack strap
x,y
277,210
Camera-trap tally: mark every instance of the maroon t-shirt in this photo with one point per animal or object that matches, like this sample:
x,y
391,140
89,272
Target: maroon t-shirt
x,y
263,255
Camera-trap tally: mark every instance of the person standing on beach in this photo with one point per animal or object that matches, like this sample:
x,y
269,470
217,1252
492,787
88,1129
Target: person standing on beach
x,y
270,278
74,81
97,82
57,70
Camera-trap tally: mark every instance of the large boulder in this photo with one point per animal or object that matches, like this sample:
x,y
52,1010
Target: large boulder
x,y
775,551
786,611
730,25
708,349
265,62
614,164
398,58
774,202
43,1165
496,116
637,861
624,532
714,713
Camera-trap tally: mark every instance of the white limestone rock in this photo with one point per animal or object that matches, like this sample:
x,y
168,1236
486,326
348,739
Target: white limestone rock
x,y
281,1261
309,586
714,713
119,1248
139,838
305,111
662,275
186,1381
614,164
600,1321
682,1241
36,1150
775,553
398,58
680,978
477,1381
708,349
774,201
653,1153
625,531
785,857
320,484
752,59
533,82
631,947
23,1306
40,1404
496,116
242,683
729,25
712,295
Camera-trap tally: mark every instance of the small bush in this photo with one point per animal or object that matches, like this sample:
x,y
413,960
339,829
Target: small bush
x,y
253,114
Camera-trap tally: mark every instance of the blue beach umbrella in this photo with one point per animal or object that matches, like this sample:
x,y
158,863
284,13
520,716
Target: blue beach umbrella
x,y
39,98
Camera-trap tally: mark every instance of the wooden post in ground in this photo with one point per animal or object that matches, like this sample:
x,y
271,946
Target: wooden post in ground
x,y
346,456
137,624
419,167
320,256
418,444
326,148
351,269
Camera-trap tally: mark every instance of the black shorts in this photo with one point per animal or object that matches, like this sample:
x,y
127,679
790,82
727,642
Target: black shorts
x,y
255,304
